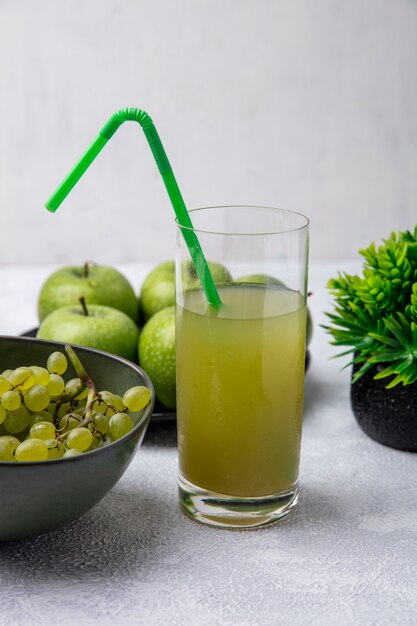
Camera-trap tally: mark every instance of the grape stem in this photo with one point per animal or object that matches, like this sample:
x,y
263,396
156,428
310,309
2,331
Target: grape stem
x,y
68,397
85,379
88,413
82,373
86,382
68,415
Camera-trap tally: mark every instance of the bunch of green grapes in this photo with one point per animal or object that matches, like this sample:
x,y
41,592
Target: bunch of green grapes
x,y
44,417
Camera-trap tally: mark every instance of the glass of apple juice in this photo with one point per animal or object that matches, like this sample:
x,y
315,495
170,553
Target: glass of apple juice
x,y
240,367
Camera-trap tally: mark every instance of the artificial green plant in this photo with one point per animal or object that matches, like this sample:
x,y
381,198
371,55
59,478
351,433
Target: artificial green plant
x,y
375,314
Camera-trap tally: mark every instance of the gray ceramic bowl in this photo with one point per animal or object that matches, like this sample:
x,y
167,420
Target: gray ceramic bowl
x,y
45,495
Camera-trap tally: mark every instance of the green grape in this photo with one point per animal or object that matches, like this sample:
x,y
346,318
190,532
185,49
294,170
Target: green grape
x,y
17,420
42,430
71,387
100,406
30,398
7,446
136,398
40,375
56,385
69,421
31,450
37,398
71,452
94,444
55,449
42,416
101,422
22,378
83,395
72,384
5,384
79,438
120,424
51,408
108,403
5,457
64,409
12,442
113,399
57,363
11,400
118,402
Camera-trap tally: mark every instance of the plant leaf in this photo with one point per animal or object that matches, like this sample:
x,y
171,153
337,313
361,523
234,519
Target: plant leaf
x,y
357,375
387,357
383,339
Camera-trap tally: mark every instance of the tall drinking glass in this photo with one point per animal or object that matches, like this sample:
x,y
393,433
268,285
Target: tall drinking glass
x,y
240,368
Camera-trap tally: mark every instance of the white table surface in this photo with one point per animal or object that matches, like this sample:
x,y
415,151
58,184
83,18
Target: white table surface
x,y
347,556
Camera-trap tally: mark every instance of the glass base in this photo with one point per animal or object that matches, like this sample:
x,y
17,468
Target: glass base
x,y
223,511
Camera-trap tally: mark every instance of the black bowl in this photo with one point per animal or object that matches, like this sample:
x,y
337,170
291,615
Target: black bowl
x,y
41,496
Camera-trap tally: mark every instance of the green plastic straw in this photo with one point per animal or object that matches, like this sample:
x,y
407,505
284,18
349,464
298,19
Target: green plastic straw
x,y
183,217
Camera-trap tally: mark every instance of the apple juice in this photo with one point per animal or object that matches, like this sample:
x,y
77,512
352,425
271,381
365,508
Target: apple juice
x,y
240,378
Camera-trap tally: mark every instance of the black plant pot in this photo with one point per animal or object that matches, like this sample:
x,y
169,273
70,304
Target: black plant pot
x,y
387,415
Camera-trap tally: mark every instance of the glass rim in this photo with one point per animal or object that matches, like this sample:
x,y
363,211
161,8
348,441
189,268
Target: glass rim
x,y
251,234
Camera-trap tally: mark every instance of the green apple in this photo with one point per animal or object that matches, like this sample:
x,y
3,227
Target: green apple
x,y
158,288
156,351
103,328
219,273
260,279
265,279
97,284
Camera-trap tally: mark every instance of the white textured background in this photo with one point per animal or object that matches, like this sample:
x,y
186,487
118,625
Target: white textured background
x,y
301,104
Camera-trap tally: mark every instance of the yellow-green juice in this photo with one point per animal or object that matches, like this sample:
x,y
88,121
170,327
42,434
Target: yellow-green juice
x,y
240,378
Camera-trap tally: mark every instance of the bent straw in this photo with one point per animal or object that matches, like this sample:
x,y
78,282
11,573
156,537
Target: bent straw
x,y
164,167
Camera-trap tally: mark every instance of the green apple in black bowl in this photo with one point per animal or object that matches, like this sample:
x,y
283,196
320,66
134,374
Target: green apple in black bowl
x,y
97,284
95,326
